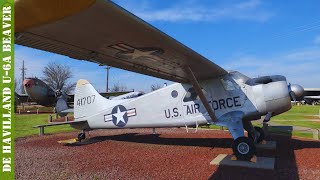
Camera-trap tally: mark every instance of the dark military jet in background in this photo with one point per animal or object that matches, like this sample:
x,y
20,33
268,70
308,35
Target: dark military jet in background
x,y
41,93
311,95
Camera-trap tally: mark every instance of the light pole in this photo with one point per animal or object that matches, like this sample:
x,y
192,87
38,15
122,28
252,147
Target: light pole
x,y
107,68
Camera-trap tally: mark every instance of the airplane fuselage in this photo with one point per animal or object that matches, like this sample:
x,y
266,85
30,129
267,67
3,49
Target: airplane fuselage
x,y
39,92
178,105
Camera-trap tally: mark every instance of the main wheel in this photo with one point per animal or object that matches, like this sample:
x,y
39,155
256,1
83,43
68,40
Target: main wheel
x,y
260,134
81,136
243,148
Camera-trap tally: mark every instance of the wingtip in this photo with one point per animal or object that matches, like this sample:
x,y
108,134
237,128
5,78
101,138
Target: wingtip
x,y
82,82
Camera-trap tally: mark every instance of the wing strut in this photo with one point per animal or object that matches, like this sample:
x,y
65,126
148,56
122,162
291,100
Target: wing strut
x,y
199,92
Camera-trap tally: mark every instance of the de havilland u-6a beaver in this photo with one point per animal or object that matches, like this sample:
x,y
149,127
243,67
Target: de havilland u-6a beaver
x,y
104,33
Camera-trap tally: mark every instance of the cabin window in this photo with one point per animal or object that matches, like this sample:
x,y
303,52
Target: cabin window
x,y
174,93
191,95
227,84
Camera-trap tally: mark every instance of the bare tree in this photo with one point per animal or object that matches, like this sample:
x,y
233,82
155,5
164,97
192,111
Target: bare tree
x,y
155,87
57,77
118,88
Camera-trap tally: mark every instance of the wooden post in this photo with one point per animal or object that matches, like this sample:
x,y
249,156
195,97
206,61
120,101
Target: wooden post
x,y
50,118
41,130
315,133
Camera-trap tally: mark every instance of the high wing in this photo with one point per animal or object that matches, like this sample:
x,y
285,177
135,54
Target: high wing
x,y
103,32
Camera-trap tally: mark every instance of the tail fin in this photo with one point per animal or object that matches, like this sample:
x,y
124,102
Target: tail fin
x,y
87,101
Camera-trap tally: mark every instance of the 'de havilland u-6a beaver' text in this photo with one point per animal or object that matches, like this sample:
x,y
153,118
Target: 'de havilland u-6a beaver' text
x,y
104,33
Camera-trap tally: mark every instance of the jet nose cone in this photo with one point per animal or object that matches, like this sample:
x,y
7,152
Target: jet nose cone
x,y
298,90
28,83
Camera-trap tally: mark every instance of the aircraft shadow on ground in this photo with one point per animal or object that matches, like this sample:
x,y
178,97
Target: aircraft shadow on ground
x,y
156,139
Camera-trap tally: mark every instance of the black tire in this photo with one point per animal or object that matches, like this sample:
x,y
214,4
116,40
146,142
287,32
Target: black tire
x,y
261,134
81,136
243,148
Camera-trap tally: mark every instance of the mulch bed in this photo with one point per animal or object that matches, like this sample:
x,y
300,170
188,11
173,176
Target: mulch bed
x,y
170,154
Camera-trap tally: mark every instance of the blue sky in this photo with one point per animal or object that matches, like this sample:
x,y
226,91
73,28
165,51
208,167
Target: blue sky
x,y
254,37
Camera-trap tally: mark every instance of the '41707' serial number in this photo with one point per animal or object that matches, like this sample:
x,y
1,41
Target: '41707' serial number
x,y
86,100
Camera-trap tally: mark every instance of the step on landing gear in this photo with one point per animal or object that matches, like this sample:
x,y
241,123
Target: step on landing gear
x,y
244,148
81,136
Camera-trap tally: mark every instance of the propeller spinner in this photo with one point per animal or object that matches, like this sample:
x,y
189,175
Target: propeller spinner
x,y
296,91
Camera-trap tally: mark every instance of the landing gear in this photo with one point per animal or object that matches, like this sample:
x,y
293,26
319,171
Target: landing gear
x,y
255,133
259,133
81,136
243,148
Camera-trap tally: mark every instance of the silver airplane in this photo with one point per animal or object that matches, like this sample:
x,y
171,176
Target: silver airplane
x,y
104,33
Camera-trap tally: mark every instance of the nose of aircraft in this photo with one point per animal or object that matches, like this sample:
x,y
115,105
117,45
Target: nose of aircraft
x,y
296,91
28,83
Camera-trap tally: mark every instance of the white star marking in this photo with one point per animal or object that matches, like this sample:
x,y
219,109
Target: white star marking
x,y
137,54
119,115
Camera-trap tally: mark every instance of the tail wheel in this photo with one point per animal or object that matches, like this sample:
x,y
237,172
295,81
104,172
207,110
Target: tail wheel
x,y
81,136
260,134
243,148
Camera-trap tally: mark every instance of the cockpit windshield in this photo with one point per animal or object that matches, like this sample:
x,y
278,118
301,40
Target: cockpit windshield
x,y
239,77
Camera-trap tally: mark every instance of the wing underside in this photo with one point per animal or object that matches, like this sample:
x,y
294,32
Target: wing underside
x,y
109,35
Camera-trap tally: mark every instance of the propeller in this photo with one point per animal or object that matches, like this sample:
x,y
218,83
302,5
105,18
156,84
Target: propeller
x,y
61,102
58,93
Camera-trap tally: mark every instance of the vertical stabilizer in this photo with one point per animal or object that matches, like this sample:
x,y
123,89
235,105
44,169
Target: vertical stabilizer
x,y
87,101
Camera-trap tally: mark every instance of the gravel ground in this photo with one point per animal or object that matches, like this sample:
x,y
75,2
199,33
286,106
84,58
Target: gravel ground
x,y
171,154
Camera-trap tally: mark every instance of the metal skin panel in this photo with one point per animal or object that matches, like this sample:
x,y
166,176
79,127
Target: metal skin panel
x,y
166,107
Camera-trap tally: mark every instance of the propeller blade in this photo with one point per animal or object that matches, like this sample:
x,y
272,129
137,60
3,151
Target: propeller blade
x,y
293,96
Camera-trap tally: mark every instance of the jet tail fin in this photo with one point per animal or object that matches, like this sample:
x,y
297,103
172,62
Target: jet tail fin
x,y
87,101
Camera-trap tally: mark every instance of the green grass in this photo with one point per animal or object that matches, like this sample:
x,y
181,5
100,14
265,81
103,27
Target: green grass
x,y
24,125
294,133
299,116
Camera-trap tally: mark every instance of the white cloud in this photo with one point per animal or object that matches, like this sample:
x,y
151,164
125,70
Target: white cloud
x,y
251,10
300,66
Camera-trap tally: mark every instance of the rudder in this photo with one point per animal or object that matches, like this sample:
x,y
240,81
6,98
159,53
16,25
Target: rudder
x,y
87,101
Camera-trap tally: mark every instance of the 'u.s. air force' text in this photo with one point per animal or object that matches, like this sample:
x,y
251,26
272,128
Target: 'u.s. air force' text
x,y
195,108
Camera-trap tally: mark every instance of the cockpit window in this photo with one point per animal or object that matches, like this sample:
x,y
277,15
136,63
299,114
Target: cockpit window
x,y
191,95
227,84
239,77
